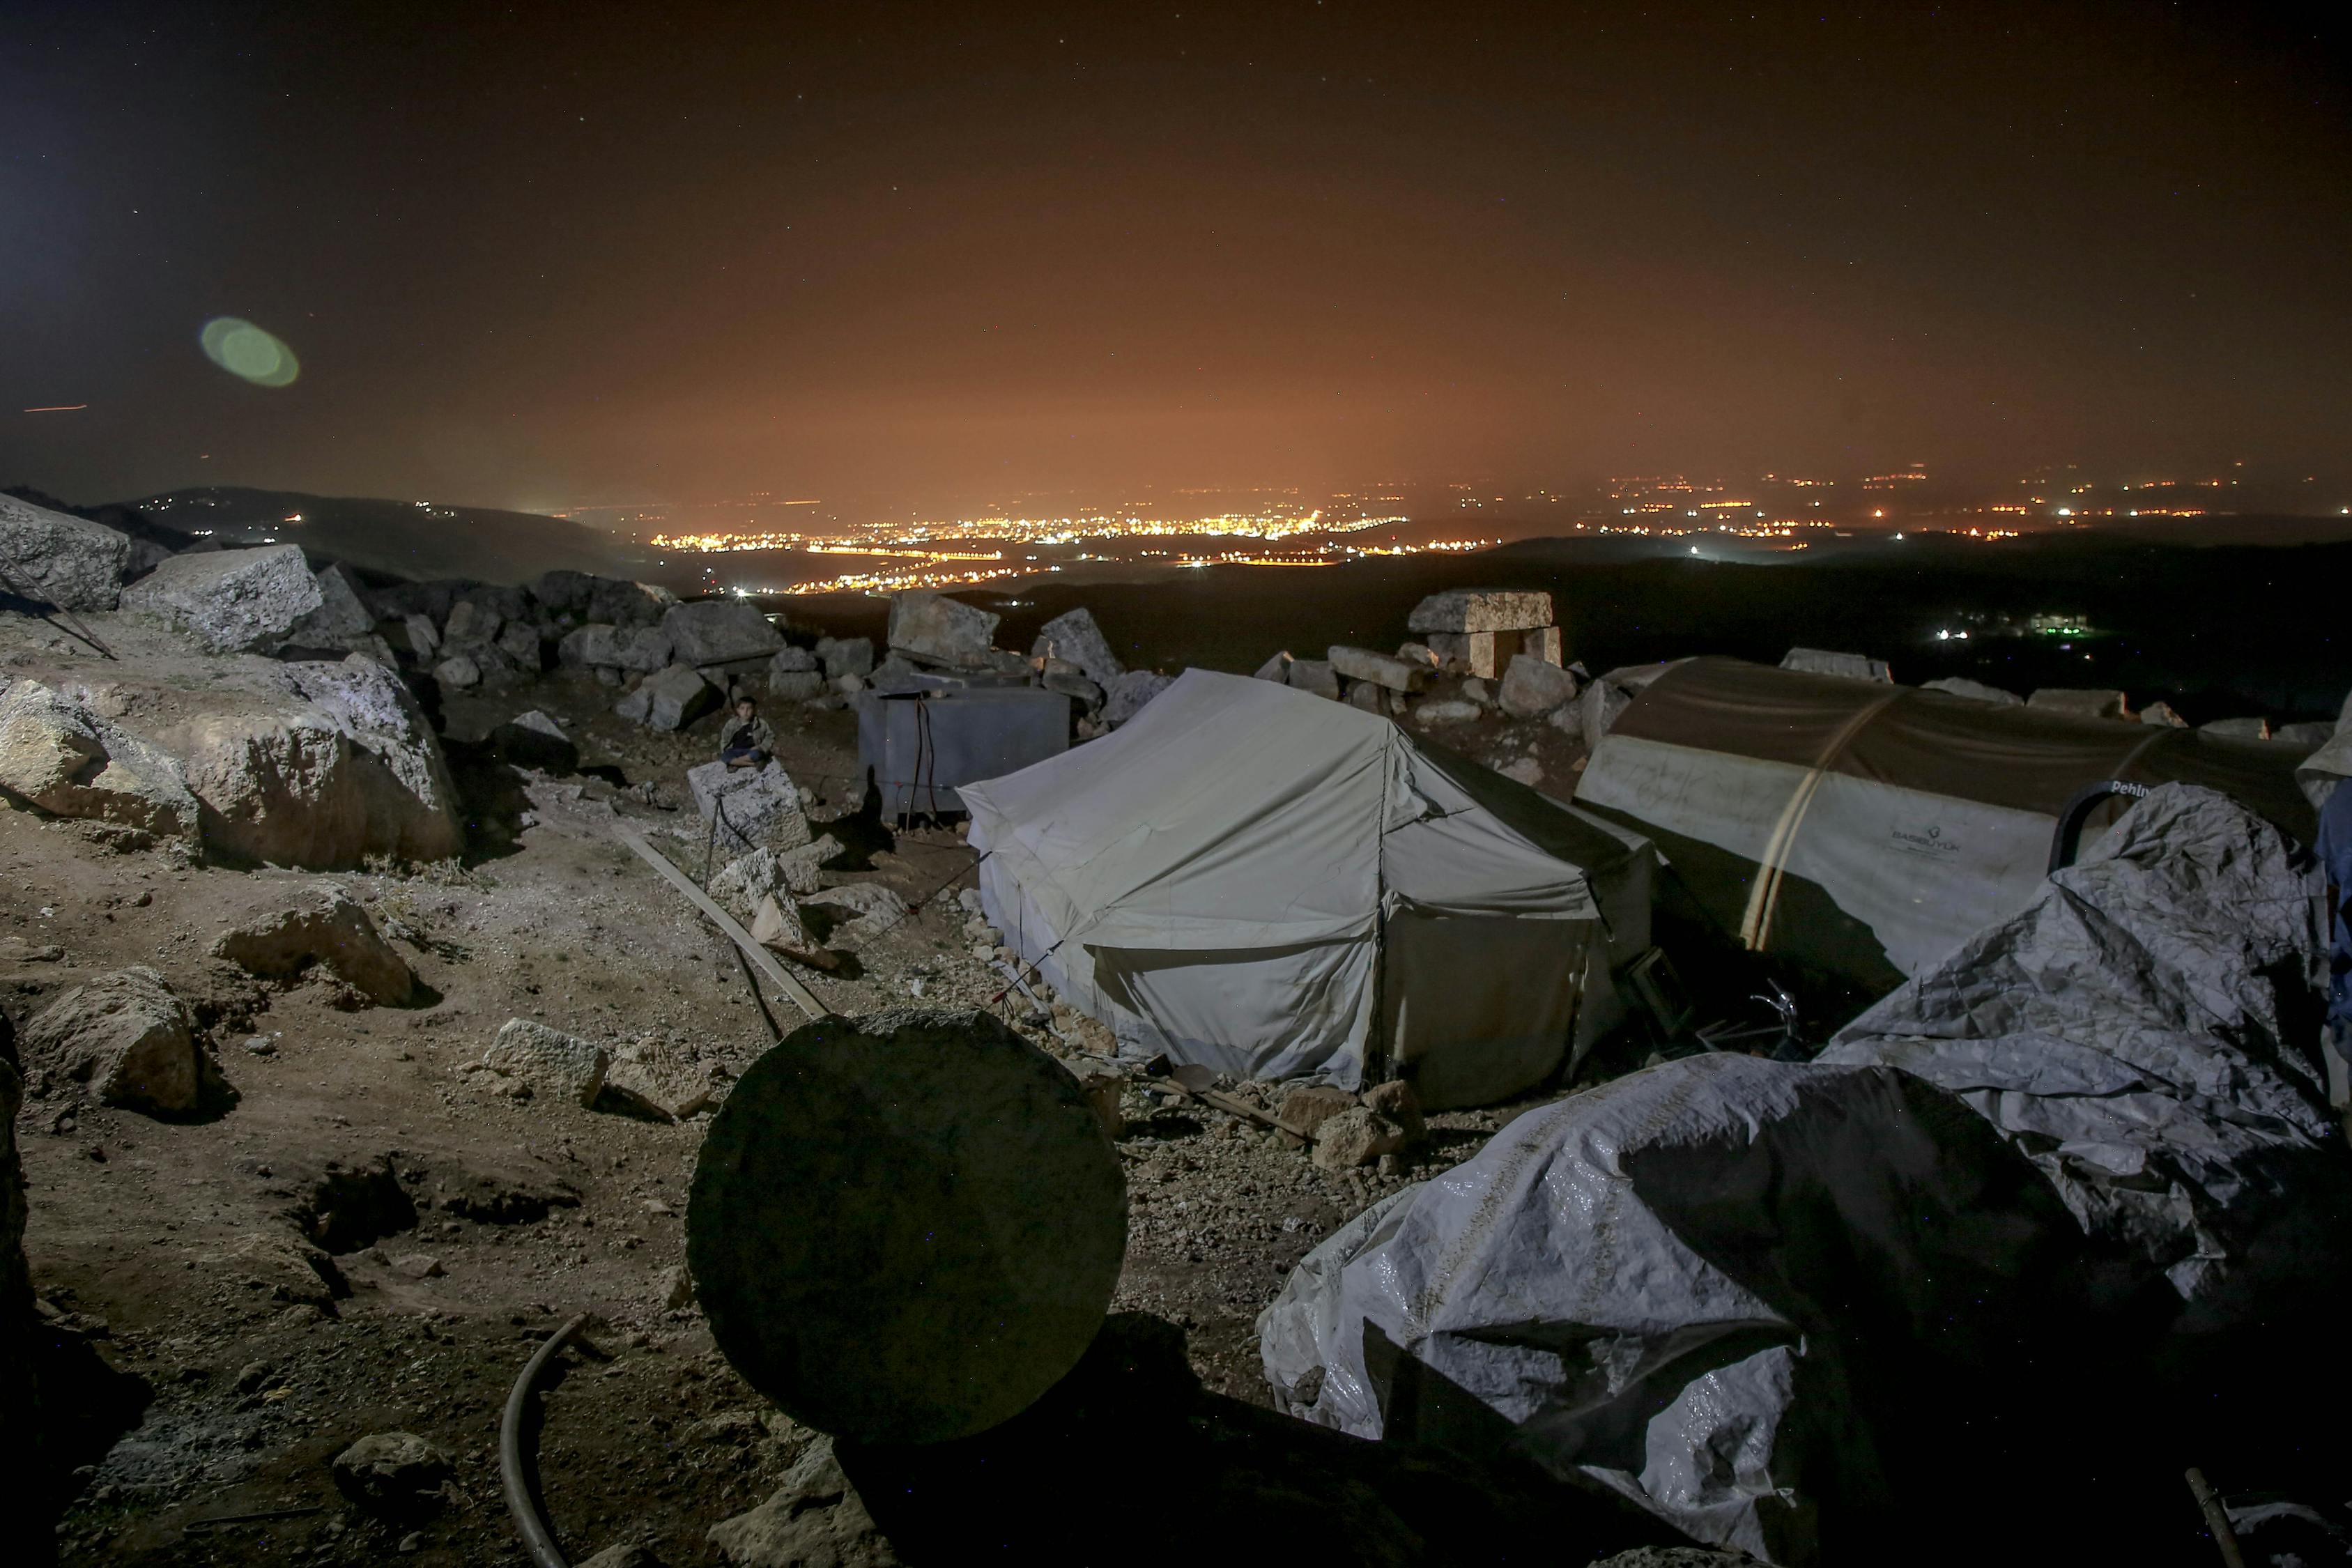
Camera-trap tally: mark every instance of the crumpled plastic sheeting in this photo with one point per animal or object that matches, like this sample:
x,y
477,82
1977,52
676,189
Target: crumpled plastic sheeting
x,y
1638,1284
2142,1031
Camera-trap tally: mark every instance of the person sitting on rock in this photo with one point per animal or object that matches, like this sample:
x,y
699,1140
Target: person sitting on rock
x,y
745,740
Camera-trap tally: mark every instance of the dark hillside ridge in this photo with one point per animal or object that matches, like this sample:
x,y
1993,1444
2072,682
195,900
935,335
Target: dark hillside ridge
x,y
2215,630
405,539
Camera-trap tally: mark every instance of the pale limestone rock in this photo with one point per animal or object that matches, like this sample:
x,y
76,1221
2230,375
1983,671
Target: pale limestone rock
x,y
940,630
330,929
1462,610
230,600
57,754
563,1065
814,1519
61,559
128,1037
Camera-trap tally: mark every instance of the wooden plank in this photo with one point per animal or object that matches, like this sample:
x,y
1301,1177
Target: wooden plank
x,y
760,958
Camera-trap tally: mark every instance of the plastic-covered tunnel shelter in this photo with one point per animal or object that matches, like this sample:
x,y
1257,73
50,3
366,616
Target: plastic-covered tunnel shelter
x,y
1865,829
1254,879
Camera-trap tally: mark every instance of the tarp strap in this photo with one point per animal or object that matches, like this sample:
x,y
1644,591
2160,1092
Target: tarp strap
x,y
1764,894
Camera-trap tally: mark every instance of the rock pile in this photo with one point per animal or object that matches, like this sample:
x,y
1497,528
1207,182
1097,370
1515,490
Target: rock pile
x,y
1499,645
1478,631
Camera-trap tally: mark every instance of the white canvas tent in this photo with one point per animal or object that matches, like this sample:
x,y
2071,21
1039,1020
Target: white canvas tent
x,y
1260,882
1868,829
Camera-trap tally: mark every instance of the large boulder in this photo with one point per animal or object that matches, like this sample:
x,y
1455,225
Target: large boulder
x,y
940,630
331,929
863,911
1609,696
333,765
753,808
1074,638
743,882
1312,675
1380,670
550,1060
646,647
1072,683
631,603
1130,691
1464,610
518,640
60,559
777,924
598,645
58,755
532,739
1974,691
128,1038
340,619
1845,666
2081,702
231,600
671,699
796,686
845,655
814,1519
719,631
575,596
473,623
561,593
1532,688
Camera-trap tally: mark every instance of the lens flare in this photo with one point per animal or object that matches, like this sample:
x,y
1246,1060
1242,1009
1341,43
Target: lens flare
x,y
242,348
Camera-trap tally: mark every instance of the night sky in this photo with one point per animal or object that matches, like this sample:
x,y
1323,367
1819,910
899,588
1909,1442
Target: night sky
x,y
539,255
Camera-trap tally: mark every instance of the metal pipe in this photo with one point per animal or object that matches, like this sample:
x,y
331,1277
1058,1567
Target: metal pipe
x,y
537,1538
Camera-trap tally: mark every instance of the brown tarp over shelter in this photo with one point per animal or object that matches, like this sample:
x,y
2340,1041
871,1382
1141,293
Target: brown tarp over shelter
x,y
1865,829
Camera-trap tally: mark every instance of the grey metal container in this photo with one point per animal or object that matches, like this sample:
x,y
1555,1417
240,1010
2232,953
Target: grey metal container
x,y
918,745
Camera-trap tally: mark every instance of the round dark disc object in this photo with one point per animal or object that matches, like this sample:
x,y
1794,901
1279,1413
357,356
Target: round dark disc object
x,y
906,1227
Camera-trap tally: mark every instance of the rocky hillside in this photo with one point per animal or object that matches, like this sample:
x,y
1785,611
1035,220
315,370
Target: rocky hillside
x,y
359,1050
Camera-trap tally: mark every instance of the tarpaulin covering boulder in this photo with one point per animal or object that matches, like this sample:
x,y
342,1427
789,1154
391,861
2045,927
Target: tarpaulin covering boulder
x,y
1805,1311
1249,879
2146,1029
1869,829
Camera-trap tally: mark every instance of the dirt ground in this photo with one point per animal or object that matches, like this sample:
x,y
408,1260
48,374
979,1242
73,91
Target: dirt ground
x,y
466,1225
